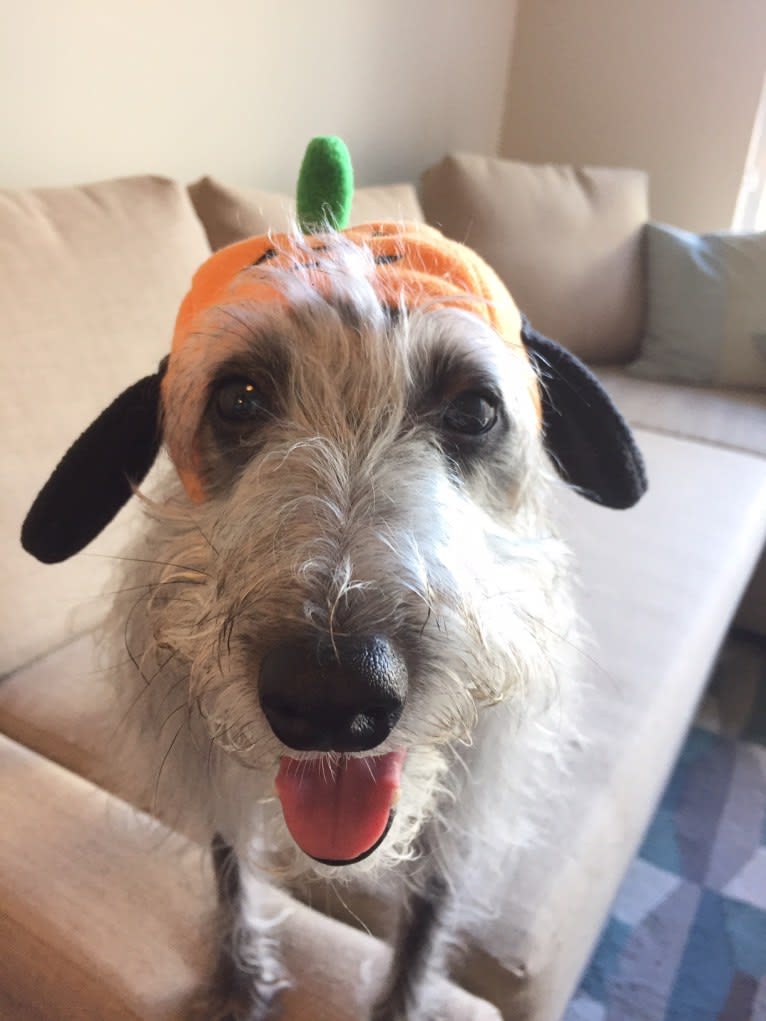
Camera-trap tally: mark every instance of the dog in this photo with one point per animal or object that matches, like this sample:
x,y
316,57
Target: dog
x,y
349,595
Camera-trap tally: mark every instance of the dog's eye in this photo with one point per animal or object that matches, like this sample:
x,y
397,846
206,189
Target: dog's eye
x,y
238,400
470,413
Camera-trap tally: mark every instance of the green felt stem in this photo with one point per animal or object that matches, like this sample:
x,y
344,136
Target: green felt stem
x,y
325,185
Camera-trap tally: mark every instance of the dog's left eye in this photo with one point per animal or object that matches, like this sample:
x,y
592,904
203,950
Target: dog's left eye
x,y
470,413
238,400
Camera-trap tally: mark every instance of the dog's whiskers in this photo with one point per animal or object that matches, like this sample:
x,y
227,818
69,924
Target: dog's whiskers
x,y
150,561
166,756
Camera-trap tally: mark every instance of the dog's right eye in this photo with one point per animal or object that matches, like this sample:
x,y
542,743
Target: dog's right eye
x,y
238,401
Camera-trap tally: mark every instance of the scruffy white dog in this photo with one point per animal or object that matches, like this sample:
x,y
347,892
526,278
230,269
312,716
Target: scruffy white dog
x,y
350,599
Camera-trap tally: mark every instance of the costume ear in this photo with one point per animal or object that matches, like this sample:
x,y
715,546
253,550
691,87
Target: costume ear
x,y
94,478
586,436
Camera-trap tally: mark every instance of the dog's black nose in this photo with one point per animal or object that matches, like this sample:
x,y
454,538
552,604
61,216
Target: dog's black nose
x,y
344,696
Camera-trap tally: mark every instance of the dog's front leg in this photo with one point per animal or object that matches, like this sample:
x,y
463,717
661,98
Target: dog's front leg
x,y
416,951
248,978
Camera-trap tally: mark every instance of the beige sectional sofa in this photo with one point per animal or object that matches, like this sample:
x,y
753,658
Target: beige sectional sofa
x,y
103,914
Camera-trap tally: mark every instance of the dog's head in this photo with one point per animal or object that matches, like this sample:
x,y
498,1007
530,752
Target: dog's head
x,y
360,421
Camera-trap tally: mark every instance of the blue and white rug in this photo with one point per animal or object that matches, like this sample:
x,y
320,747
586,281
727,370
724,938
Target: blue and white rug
x,y
686,940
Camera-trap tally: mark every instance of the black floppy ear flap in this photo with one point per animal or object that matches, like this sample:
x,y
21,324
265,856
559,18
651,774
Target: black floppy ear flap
x,y
586,436
94,479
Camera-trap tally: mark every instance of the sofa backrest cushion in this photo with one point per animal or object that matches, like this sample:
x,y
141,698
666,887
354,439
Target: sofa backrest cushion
x,y
90,282
566,241
706,308
231,214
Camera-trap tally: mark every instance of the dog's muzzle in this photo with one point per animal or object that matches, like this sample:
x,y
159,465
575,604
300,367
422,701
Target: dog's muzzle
x,y
336,697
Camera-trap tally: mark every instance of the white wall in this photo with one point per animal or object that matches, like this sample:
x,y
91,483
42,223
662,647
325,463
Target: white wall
x,y
96,88
670,86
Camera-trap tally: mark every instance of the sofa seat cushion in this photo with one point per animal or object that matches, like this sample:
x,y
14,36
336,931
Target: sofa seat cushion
x,y
725,417
659,585
90,283
104,914
230,214
732,418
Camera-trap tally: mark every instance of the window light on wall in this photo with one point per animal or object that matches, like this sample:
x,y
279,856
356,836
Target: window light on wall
x,y
750,213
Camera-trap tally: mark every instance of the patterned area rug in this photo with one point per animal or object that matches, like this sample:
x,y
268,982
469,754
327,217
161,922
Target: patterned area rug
x,y
686,940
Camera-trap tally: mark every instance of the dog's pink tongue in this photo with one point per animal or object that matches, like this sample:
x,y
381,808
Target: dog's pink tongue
x,y
338,811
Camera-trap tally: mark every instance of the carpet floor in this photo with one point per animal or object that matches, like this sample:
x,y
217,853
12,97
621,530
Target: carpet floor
x,y
686,940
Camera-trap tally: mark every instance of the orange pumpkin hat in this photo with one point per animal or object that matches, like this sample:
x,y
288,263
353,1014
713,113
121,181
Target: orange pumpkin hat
x,y
414,264
590,445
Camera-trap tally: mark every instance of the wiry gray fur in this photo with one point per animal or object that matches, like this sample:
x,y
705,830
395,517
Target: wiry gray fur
x,y
343,513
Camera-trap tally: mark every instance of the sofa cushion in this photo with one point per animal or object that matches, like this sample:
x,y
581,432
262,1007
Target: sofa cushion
x,y
230,214
90,282
565,240
104,914
659,585
706,308
725,417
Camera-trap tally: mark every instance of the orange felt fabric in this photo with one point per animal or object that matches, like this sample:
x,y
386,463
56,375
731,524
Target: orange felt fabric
x,y
428,266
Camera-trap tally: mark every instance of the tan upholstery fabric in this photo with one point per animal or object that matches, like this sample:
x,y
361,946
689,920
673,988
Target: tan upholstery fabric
x,y
231,214
660,583
727,418
90,281
566,241
63,705
105,916
386,202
